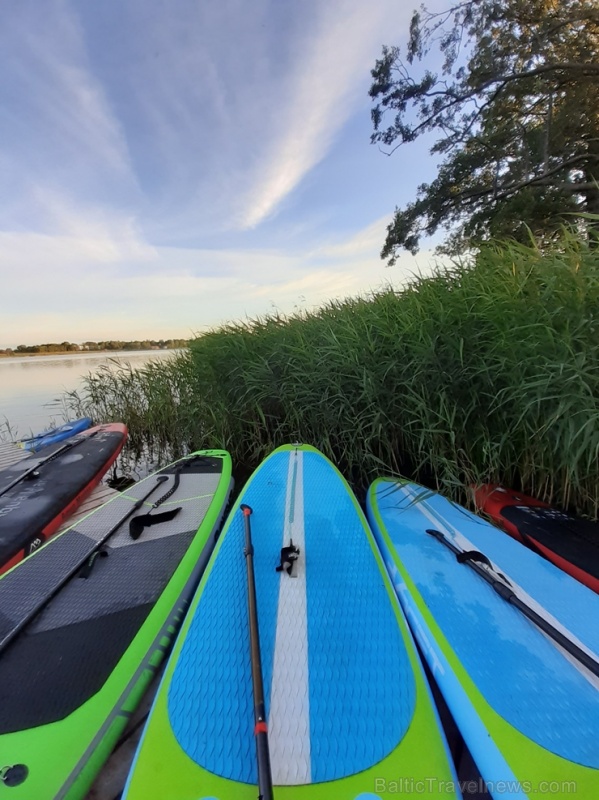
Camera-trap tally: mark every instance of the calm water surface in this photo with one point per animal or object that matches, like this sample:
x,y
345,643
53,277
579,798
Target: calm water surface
x,y
31,387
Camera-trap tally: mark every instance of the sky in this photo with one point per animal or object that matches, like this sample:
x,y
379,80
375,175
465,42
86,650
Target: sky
x,y
170,166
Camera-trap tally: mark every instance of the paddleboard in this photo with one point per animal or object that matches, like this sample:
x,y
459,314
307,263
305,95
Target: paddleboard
x,y
569,542
54,435
85,623
527,708
39,493
349,711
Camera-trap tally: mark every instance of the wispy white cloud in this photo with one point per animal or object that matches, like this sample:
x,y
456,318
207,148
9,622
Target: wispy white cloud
x,y
143,146
369,240
323,90
81,241
59,133
178,289
193,117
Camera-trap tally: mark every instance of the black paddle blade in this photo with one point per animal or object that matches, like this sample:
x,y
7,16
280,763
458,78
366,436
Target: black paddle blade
x,y
137,524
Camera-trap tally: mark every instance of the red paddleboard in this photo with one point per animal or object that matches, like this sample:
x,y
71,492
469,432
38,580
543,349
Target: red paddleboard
x,y
569,542
40,492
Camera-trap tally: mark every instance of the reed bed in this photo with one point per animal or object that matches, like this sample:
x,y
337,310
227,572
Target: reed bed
x,y
485,371
152,400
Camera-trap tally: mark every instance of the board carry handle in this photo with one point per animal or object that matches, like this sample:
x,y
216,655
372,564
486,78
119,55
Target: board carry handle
x,y
30,472
8,638
500,584
265,791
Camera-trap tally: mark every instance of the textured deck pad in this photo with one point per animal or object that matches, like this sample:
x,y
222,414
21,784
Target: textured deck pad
x,y
66,653
340,690
525,678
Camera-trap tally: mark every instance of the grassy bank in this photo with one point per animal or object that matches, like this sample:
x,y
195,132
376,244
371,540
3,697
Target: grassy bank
x,y
481,372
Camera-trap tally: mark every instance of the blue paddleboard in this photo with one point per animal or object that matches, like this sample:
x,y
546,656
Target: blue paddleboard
x,y
527,706
36,443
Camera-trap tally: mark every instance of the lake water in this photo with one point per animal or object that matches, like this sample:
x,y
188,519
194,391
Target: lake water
x,y
31,386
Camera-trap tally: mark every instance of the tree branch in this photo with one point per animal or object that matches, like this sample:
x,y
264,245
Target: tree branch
x,y
540,180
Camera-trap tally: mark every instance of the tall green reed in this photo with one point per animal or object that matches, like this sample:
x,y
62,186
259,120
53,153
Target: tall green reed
x,y
485,371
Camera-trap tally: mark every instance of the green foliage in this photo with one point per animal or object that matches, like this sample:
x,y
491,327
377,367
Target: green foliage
x,y
68,347
515,109
154,401
488,371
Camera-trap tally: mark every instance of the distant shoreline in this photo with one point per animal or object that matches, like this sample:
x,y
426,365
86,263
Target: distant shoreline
x,y
89,352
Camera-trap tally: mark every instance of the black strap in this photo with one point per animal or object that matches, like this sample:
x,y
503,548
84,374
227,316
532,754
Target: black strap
x,y
501,586
480,558
473,555
137,524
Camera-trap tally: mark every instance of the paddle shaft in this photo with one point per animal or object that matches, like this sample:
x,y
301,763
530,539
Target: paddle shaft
x,y
260,725
51,457
34,611
504,591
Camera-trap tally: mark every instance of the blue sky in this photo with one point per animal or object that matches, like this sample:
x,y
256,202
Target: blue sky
x,y
168,166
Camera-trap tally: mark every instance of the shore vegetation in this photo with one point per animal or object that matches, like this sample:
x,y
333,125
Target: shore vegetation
x,y
488,370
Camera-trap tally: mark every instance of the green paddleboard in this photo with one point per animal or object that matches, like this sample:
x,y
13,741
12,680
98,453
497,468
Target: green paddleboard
x,y
84,624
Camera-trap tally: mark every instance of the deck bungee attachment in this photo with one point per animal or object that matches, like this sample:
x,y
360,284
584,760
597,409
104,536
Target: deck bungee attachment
x,y
289,555
14,775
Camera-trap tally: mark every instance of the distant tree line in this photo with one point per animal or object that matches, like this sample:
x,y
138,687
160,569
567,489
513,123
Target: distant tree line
x,y
70,347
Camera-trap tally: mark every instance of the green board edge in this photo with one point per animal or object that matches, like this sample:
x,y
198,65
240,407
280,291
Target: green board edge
x,y
163,770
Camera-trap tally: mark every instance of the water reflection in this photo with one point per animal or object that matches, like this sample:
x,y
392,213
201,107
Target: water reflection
x,y
31,386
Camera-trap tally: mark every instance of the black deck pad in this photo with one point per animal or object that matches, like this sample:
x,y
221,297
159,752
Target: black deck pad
x,y
22,589
66,654
575,540
48,675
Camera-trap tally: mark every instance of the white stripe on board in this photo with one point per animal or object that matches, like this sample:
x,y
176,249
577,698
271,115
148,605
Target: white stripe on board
x,y
289,717
457,537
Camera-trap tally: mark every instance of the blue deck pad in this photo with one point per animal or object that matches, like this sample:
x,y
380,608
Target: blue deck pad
x,y
210,701
523,676
543,580
362,690
210,708
361,686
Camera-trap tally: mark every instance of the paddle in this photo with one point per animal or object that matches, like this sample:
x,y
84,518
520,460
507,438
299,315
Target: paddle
x,y
76,567
260,726
51,457
500,584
